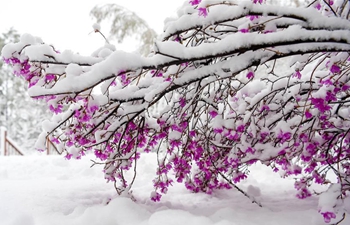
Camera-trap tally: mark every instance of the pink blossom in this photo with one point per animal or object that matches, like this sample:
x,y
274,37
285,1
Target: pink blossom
x,y
265,108
240,128
218,130
318,6
320,104
93,108
244,30
202,12
68,156
155,196
175,143
69,143
57,109
318,178
250,75
308,115
195,2
252,17
49,77
85,118
335,68
240,176
284,136
297,74
55,140
168,79
330,96
182,102
327,82
345,87
328,216
250,150
99,154
192,133
213,113
303,193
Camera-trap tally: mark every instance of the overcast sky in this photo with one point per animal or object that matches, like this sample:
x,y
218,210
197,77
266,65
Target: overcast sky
x,y
67,24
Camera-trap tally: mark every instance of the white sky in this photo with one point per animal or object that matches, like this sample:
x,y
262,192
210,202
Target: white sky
x,y
66,23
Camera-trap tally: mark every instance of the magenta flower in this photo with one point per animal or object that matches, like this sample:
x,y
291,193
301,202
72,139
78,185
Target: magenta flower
x,y
175,143
328,216
330,96
250,75
335,68
240,128
85,118
308,115
318,6
77,113
99,154
297,74
195,2
265,108
213,113
244,30
318,178
182,102
57,109
69,143
240,176
284,136
49,77
202,12
218,130
345,87
326,82
252,17
192,133
155,196
55,140
250,150
94,108
320,104
68,156
303,193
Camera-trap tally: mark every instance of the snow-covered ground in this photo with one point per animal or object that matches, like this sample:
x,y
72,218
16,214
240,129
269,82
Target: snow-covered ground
x,y
49,190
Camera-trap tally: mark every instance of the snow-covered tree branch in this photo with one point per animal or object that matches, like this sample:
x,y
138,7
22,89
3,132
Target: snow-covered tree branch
x,y
229,83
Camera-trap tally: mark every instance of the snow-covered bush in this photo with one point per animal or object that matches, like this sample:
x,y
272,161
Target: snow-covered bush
x,y
239,82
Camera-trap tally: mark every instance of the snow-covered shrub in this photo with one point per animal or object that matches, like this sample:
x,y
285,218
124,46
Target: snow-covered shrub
x,y
239,82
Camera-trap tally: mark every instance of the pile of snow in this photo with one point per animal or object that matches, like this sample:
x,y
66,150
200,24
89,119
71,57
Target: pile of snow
x,y
41,190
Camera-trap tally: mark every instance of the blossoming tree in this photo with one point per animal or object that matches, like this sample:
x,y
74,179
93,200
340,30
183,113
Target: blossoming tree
x,y
235,83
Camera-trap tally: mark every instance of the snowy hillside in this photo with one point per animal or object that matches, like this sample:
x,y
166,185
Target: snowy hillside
x,y
42,190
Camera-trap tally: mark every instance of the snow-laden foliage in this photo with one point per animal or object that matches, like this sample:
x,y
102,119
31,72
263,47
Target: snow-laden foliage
x,y
18,112
225,98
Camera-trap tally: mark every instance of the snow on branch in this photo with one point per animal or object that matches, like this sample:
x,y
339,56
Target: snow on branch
x,y
231,83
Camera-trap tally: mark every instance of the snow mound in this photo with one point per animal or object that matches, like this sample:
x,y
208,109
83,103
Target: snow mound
x,y
41,190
